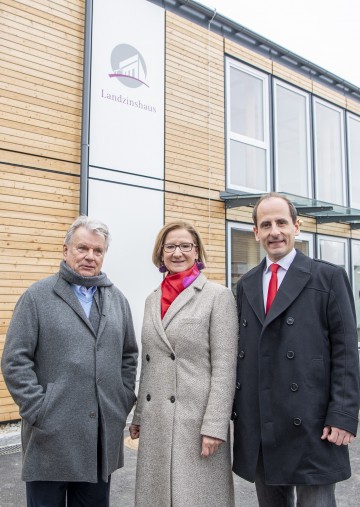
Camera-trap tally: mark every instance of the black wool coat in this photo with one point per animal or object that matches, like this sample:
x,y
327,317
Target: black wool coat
x,y
298,371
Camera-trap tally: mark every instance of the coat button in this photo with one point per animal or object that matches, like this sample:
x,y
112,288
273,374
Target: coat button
x,y
172,399
148,397
294,387
241,354
244,322
172,355
92,415
234,416
238,385
297,421
290,321
147,357
290,354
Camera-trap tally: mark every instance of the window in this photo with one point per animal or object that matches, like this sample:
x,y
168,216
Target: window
x,y
329,153
248,159
335,250
305,243
292,140
354,159
308,140
245,252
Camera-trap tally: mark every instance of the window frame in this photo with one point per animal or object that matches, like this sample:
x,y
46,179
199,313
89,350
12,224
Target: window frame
x,y
340,239
348,152
353,286
353,242
246,227
266,144
317,100
276,83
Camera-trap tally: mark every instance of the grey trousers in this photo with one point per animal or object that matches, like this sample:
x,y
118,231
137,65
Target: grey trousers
x,y
292,496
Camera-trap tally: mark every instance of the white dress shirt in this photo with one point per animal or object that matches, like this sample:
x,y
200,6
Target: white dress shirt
x,y
284,264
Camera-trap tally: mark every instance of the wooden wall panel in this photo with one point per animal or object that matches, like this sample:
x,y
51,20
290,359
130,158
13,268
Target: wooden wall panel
x,y
285,73
41,58
41,77
327,93
208,217
353,106
247,56
194,134
291,76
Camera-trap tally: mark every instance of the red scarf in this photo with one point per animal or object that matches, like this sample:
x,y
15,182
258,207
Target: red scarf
x,y
173,285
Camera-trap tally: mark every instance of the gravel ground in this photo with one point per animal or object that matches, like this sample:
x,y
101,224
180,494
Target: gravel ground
x,y
9,428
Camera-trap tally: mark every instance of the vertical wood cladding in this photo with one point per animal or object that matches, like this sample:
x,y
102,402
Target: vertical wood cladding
x,y
194,134
41,58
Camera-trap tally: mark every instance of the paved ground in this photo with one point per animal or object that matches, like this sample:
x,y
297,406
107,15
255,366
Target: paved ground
x,y
123,483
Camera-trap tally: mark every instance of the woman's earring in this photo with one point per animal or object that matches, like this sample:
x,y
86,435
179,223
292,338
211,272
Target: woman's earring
x,y
162,268
200,265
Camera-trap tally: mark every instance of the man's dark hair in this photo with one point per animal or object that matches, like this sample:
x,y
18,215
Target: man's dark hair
x,y
292,209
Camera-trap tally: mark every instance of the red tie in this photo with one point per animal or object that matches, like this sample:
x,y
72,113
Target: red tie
x,y
273,286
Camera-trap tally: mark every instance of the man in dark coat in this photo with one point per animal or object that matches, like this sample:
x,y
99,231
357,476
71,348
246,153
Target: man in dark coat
x,y
297,391
70,363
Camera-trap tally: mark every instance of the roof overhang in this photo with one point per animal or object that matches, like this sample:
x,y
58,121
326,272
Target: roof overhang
x,y
323,212
214,21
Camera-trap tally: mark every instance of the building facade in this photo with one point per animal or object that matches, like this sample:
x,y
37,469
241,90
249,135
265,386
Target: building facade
x,y
143,112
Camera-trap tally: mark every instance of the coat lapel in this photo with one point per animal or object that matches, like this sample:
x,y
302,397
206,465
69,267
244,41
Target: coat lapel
x,y
155,308
105,309
183,298
294,281
253,289
63,289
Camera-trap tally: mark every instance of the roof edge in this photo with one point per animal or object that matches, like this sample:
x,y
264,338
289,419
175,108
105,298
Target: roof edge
x,y
211,19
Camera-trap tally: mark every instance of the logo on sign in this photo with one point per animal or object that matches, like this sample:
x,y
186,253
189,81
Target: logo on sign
x,y
128,66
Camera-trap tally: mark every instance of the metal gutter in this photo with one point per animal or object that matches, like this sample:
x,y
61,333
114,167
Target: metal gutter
x,y
85,123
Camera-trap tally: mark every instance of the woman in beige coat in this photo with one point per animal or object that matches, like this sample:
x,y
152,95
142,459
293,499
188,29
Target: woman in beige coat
x,y
187,383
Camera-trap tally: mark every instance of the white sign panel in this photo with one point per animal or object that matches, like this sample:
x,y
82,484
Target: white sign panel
x,y
134,216
127,87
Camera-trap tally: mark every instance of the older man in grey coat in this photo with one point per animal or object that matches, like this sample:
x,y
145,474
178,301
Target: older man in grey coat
x,y
70,362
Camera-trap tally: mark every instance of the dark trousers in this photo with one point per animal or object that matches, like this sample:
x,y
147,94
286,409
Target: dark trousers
x,y
78,494
284,496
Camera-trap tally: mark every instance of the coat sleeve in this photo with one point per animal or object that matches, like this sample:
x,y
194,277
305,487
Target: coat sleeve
x,y
138,407
18,358
223,334
129,358
139,401
343,408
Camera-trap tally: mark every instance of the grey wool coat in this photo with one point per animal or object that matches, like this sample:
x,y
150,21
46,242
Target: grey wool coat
x,y
186,390
298,371
61,375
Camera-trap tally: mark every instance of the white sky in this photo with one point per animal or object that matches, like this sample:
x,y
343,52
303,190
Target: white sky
x,y
325,32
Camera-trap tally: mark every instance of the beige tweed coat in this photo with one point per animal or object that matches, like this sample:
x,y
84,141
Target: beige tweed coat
x,y
186,390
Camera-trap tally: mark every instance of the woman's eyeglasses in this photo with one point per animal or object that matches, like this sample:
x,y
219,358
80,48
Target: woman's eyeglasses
x,y
184,247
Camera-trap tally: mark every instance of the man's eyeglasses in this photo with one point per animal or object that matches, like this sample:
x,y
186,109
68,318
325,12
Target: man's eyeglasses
x,y
184,247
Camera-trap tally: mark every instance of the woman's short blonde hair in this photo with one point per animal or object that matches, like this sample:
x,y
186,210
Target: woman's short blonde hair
x,y
157,256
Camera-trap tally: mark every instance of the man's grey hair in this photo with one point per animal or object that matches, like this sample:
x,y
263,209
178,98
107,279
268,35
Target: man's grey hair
x,y
92,225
